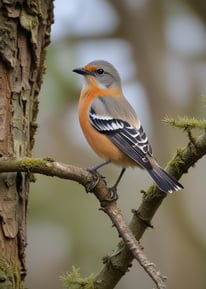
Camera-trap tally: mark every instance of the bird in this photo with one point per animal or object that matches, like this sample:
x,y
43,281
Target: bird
x,y
112,128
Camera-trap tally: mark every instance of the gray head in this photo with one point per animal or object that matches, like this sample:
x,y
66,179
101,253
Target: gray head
x,y
103,72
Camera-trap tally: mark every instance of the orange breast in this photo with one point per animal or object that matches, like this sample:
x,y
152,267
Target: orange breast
x,y
98,141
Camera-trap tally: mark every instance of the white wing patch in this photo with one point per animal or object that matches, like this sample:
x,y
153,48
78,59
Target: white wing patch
x,y
104,123
93,115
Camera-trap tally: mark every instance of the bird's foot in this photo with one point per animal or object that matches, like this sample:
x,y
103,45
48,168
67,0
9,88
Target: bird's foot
x,y
93,184
113,193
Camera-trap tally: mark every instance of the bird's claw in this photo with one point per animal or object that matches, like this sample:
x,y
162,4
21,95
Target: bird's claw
x,y
91,185
113,193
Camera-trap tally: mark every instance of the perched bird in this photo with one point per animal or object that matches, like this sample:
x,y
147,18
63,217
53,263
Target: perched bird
x,y
112,127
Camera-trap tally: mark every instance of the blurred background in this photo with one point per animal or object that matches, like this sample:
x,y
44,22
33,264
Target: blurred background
x,y
159,48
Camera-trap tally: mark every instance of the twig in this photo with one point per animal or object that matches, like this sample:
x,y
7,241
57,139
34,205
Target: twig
x,y
133,245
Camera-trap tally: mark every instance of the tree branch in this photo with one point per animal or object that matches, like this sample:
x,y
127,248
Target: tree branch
x,y
116,265
152,199
93,184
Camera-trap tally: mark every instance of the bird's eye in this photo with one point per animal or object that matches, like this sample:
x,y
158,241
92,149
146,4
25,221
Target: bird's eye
x,y
100,71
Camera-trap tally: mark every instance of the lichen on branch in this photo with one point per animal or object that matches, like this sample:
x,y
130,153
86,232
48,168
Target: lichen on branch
x,y
186,122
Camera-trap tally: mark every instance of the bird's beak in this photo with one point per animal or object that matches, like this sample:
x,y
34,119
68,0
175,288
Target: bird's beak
x,y
82,71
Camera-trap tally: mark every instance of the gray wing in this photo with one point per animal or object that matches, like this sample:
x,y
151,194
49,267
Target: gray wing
x,y
130,140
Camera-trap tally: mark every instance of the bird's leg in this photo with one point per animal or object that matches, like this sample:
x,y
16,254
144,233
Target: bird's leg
x,y
94,171
95,168
113,189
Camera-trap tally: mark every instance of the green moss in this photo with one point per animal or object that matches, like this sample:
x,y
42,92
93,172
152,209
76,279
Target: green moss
x,y
10,277
4,267
28,164
73,280
186,122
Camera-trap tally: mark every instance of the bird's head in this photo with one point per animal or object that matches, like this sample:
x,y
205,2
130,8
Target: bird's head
x,y
103,72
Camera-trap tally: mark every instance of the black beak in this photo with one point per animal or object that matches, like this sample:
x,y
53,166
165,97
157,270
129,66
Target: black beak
x,y
82,71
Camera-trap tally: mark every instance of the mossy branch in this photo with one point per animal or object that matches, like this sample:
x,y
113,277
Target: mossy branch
x,y
93,184
186,122
116,265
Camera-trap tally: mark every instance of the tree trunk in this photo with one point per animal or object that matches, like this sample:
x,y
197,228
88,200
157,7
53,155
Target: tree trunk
x,y
24,35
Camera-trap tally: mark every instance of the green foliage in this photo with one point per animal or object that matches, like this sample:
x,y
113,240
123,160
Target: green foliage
x,y
185,122
73,280
9,275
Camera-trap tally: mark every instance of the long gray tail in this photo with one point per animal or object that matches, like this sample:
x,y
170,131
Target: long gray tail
x,y
164,181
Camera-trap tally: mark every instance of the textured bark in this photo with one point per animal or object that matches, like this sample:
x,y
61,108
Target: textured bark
x,y
24,34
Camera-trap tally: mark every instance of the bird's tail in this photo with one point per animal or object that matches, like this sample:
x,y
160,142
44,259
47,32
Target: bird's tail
x,y
164,181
